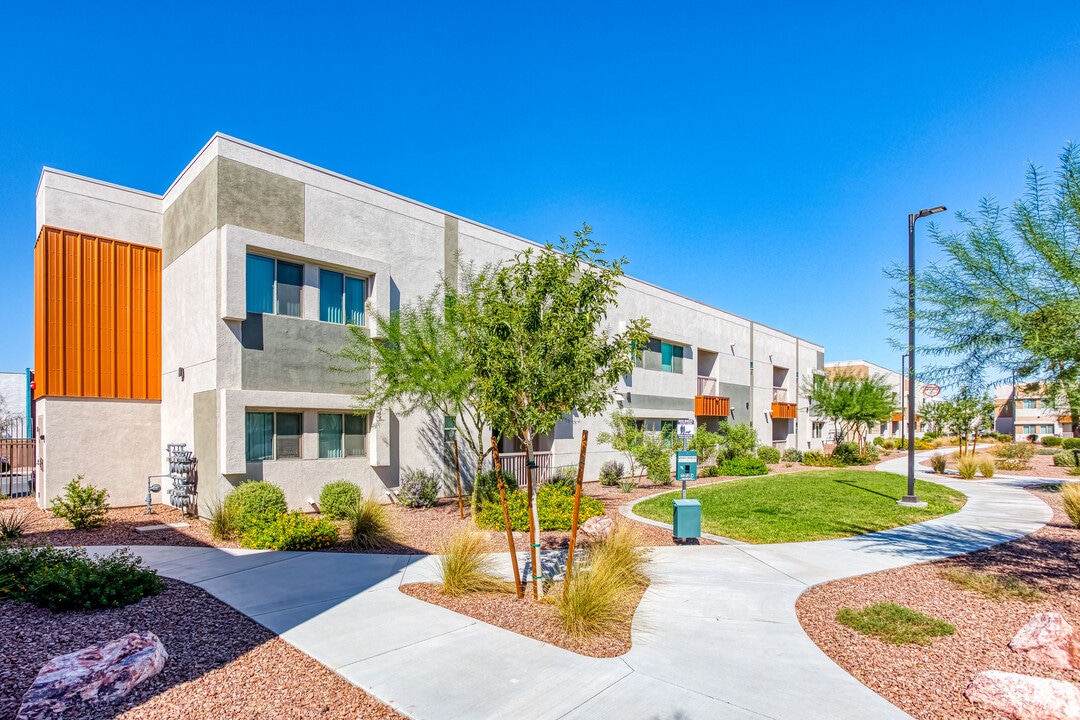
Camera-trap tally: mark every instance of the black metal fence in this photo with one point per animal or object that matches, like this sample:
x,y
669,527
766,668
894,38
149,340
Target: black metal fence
x,y
17,458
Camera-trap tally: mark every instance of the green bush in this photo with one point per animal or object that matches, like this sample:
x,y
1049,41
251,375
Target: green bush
x,y
255,502
848,454
931,435
768,454
1071,443
1014,451
1065,458
818,459
554,506
611,472
82,506
739,439
711,471
290,531
67,579
792,455
486,487
920,444
879,441
1052,441
565,475
744,465
338,498
418,489
705,443
654,454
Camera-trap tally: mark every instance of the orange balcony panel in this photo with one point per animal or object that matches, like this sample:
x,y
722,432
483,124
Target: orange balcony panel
x,y
782,410
712,406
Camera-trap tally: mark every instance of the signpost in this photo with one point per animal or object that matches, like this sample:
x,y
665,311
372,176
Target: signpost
x,y
931,390
686,522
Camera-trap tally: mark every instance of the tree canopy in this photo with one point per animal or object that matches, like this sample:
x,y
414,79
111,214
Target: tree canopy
x,y
852,403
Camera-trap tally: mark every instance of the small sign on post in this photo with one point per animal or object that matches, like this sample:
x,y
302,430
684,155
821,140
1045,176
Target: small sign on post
x,y
687,428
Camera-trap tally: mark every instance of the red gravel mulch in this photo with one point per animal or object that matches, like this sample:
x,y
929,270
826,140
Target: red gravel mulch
x,y
928,681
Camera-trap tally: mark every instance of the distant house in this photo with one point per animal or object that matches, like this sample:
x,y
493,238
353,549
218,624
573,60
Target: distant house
x,y
894,427
1024,410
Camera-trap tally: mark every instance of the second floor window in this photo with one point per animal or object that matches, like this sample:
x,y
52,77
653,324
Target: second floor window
x,y
662,356
341,298
273,286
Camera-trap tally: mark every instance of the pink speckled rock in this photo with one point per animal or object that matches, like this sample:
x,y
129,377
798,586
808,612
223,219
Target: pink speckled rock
x,y
1049,639
595,528
99,673
1023,697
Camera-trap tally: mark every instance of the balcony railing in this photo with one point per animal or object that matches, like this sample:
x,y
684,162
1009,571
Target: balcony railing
x,y
515,463
779,395
706,386
712,406
784,410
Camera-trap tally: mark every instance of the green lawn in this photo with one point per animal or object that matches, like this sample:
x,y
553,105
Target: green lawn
x,y
817,505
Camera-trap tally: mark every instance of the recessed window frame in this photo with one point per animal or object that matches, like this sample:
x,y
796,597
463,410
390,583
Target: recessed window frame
x,y
280,444
349,426
348,308
661,356
282,296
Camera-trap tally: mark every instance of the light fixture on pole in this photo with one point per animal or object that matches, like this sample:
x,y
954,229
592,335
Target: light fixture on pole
x,y
911,499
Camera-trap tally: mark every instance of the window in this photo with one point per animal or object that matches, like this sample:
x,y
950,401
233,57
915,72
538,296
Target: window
x,y
341,298
273,286
1028,429
1029,403
272,436
817,429
662,356
342,435
1046,429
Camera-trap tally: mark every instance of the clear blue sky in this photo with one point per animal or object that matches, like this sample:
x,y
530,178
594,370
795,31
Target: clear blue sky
x,y
761,157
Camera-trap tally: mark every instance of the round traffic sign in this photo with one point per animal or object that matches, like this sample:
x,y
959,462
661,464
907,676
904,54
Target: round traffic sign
x,y
931,390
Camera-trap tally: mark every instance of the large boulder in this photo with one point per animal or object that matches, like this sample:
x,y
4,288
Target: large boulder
x,y
595,528
1049,639
1023,697
99,673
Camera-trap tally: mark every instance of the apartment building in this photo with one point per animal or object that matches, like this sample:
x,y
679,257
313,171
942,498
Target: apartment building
x,y
1024,410
895,426
199,317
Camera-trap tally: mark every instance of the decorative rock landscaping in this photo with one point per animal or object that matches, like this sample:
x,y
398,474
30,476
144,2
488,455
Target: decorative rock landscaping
x,y
1023,697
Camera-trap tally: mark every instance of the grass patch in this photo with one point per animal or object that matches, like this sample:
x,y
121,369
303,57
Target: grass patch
x,y
994,587
894,624
816,505
467,568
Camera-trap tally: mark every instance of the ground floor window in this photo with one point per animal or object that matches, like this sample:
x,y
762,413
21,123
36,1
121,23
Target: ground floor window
x,y
272,436
817,429
1046,429
342,435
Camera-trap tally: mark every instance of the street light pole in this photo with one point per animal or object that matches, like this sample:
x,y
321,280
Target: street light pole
x,y
903,394
911,499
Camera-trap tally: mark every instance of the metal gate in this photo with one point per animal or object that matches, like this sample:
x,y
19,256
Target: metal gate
x,y
17,459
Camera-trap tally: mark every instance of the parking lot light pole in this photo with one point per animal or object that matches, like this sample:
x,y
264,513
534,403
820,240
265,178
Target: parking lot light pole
x,y
911,499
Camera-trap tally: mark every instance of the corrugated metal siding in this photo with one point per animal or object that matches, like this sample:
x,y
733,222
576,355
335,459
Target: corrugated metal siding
x,y
97,317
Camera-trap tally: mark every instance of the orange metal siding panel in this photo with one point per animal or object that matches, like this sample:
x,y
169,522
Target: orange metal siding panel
x,y
54,311
72,310
138,322
712,406
781,411
88,315
153,323
107,320
123,321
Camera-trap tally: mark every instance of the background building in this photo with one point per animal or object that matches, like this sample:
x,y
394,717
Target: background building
x,y
198,317
1025,410
895,426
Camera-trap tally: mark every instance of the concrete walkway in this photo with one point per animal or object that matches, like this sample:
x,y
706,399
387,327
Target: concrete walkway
x,y
715,636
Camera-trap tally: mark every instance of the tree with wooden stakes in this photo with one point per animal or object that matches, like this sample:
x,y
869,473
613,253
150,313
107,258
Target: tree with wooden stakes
x,y
537,342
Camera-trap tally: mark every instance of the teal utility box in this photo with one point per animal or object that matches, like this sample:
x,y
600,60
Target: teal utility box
x,y
687,519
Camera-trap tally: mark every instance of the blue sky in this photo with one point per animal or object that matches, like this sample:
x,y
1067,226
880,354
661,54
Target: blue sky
x,y
761,157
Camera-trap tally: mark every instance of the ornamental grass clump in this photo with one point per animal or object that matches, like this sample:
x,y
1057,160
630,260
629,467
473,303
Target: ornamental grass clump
x,y
596,599
223,521
994,587
937,462
14,523
986,465
967,466
1070,493
338,498
369,525
82,506
466,567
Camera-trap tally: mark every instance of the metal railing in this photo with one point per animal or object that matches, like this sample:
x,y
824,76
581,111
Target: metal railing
x,y
515,463
779,394
707,386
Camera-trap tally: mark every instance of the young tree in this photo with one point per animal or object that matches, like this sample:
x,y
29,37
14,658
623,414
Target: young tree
x,y
966,415
1006,298
535,337
853,404
625,436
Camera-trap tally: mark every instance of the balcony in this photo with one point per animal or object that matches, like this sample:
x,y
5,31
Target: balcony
x,y
781,408
779,395
707,403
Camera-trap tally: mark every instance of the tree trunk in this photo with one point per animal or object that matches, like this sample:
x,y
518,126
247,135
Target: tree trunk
x,y
534,518
577,513
457,469
506,519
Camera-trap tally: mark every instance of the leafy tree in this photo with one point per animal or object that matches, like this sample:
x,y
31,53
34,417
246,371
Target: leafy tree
x,y
852,403
625,436
966,415
536,341
1006,297
707,444
735,440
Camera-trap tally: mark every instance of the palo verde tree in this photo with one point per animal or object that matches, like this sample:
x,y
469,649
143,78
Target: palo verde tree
x,y
1006,297
537,343
853,404
416,361
965,416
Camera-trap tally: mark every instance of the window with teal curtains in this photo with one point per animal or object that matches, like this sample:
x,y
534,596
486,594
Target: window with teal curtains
x,y
290,278
260,284
331,288
355,435
330,431
259,436
354,301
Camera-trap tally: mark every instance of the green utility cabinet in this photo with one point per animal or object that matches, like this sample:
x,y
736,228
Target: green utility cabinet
x,y
687,519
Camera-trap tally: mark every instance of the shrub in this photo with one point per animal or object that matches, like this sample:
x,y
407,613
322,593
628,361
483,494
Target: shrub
x,y
418,489
1070,493
655,456
554,506
992,586
1032,438
566,476
888,444
1071,443
894,624
368,522
338,498
847,453
879,441
922,444
986,465
744,465
967,466
290,531
740,439
594,600
82,506
223,521
792,455
466,567
937,461
931,435
611,472
1065,458
628,486
1013,451
817,459
14,523
768,455
1052,441
1012,465
711,471
68,579
255,502
486,487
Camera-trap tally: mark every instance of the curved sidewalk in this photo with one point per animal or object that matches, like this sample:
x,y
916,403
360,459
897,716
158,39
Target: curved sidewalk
x,y
715,636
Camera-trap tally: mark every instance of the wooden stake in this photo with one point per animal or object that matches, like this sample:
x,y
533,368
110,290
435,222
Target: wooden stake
x,y
506,519
457,468
577,513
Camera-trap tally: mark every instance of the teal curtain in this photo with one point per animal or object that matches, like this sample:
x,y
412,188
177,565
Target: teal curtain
x,y
354,301
676,359
259,436
288,436
355,435
330,291
290,278
665,357
330,428
260,284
